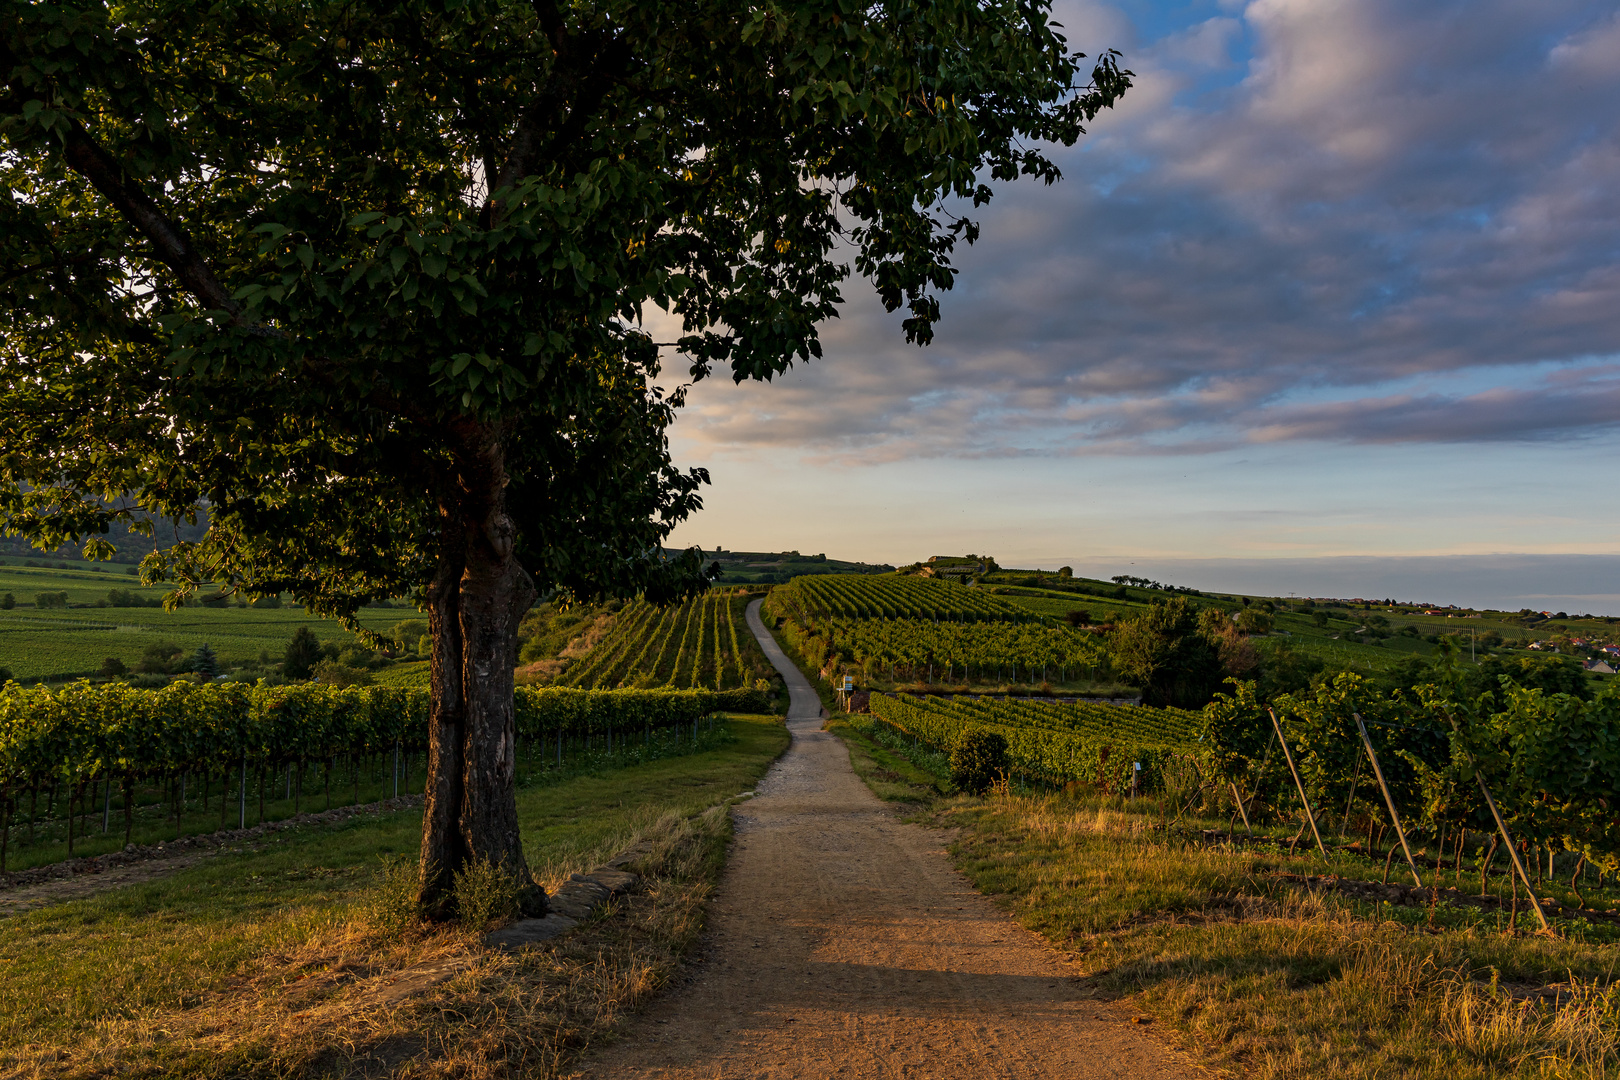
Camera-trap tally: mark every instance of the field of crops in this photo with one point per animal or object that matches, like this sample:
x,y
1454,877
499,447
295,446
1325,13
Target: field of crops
x,y
701,644
49,642
890,629
889,597
1057,742
974,650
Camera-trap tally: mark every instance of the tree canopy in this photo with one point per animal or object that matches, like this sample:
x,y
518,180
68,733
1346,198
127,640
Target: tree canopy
x,y
368,281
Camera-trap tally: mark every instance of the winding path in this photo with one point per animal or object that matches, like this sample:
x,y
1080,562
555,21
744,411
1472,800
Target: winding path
x,y
842,943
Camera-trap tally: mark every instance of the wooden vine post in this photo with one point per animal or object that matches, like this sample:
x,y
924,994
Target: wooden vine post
x,y
1288,756
1389,801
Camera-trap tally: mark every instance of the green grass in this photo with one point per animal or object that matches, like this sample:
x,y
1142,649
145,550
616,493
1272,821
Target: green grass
x,y
55,642
129,961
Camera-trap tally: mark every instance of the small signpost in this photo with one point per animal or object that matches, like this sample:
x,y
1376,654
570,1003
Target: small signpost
x,y
845,689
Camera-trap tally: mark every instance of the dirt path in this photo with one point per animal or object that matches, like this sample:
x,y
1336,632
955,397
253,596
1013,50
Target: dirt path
x,y
843,944
60,890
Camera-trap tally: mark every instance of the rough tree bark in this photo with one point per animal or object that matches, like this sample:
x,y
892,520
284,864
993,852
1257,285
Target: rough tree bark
x,y
475,603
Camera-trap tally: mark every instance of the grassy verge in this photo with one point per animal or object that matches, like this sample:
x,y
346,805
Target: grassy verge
x,y
1256,975
270,962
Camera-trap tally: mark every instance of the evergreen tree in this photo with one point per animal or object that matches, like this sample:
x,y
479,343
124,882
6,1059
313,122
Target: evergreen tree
x,y
204,662
303,653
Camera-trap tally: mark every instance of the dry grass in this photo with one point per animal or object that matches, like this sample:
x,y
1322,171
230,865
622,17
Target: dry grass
x,y
1258,977
317,1009
278,963
1271,980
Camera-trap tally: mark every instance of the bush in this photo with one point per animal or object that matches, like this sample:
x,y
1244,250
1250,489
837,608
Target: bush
x,y
486,895
5,675
159,659
357,656
8,601
147,680
393,907
112,667
51,600
332,673
978,760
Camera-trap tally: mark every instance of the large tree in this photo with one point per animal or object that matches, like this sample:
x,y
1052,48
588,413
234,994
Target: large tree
x,y
367,281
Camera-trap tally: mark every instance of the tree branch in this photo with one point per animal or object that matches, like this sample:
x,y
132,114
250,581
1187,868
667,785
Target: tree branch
x,y
87,158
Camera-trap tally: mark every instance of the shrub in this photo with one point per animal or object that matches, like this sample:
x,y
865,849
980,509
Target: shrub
x,y
8,601
392,907
159,659
51,600
978,760
332,673
486,894
357,656
112,667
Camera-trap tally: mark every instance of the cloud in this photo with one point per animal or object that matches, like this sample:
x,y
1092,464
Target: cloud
x,y
1371,221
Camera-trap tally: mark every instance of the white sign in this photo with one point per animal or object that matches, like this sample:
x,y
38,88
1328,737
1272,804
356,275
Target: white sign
x,y
849,682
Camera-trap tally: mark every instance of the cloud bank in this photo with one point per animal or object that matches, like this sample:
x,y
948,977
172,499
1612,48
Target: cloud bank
x,y
1365,221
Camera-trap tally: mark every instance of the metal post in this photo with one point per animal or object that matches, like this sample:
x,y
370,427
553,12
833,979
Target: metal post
x,y
1310,815
1388,800
1241,809
1501,826
1513,852
241,796
106,810
396,769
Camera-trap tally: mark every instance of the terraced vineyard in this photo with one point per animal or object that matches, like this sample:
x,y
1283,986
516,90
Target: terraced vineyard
x,y
1085,742
701,644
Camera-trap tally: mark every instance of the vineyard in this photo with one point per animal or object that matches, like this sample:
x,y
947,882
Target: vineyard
x,y
1057,743
888,597
701,644
1550,763
79,736
895,628
1433,775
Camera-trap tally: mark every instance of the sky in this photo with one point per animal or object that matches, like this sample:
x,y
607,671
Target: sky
x,y
1336,286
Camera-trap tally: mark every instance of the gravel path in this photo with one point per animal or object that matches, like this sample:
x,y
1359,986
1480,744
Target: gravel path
x,y
842,943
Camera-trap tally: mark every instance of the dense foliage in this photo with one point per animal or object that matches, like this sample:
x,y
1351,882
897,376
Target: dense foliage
x,y
1551,760
80,732
978,760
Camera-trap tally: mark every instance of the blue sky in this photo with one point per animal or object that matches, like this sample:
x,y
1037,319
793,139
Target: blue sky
x,y
1339,280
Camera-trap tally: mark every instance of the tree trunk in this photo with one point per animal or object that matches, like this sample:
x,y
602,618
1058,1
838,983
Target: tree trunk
x,y
475,602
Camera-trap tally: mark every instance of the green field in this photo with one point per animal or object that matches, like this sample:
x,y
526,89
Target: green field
x,y
38,643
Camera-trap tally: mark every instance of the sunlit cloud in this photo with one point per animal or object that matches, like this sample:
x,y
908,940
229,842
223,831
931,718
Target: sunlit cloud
x,y
1360,222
